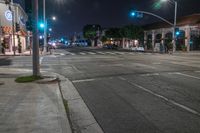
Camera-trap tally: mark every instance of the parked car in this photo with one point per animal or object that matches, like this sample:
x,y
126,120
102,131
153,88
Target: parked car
x,y
138,49
110,46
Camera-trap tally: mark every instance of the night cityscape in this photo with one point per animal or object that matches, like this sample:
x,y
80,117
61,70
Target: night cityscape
x,y
99,66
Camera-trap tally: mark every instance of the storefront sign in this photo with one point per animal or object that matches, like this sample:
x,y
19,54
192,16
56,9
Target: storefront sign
x,y
22,21
8,15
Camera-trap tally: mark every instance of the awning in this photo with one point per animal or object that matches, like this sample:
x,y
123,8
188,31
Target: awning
x,y
23,33
6,29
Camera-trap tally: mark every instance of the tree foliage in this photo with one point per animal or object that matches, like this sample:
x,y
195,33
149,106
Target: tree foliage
x,y
128,31
132,32
90,31
113,33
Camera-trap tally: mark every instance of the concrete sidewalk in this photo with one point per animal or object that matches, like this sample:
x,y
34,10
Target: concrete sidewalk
x,y
31,107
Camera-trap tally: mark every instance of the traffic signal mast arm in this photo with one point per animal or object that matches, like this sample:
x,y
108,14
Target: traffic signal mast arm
x,y
152,14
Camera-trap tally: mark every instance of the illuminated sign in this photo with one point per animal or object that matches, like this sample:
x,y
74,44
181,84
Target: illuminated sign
x,y
8,15
22,21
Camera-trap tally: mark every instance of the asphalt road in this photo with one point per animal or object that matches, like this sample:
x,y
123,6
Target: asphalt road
x,y
130,92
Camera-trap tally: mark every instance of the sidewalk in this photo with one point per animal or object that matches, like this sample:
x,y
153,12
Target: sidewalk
x,y
30,107
26,53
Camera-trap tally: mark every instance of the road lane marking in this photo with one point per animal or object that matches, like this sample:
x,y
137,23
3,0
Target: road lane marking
x,y
164,98
197,71
150,74
83,80
156,63
110,53
41,59
92,53
101,53
82,53
72,53
186,75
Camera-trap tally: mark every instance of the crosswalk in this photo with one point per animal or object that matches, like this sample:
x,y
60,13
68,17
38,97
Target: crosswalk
x,y
100,53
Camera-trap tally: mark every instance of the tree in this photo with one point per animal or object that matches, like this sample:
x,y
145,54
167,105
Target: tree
x,y
90,32
113,33
132,32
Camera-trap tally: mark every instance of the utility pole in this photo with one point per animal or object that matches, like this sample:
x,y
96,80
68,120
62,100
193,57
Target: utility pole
x,y
13,24
45,26
36,66
174,33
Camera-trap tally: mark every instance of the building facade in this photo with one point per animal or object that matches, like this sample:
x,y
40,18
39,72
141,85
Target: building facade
x,y
158,35
8,42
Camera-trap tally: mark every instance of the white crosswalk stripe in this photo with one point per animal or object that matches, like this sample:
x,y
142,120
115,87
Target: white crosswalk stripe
x,y
82,53
92,53
101,53
98,53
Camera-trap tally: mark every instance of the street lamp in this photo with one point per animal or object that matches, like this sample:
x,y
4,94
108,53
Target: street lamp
x,y
50,29
45,31
175,20
54,18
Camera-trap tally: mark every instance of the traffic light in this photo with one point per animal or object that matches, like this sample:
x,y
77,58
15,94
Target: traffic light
x,y
7,2
136,14
41,25
133,13
17,27
177,31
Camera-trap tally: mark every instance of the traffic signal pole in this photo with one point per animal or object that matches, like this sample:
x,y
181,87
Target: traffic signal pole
x,y
13,25
36,66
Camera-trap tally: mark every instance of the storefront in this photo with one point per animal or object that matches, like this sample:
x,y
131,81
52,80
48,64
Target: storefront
x,y
158,36
8,42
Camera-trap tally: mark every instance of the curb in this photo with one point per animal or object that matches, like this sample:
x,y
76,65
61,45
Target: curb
x,y
81,118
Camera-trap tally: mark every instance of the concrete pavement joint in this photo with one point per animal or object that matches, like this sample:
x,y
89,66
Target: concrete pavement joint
x,y
164,98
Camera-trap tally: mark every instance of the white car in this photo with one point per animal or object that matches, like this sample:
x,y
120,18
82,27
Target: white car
x,y
139,49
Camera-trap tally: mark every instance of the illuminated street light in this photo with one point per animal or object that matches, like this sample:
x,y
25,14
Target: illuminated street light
x,y
50,29
54,18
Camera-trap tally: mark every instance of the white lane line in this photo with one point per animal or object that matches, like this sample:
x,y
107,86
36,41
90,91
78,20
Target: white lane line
x,y
164,98
197,71
84,80
41,59
186,75
62,54
189,76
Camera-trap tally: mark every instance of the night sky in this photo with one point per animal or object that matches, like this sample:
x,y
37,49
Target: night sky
x,y
74,14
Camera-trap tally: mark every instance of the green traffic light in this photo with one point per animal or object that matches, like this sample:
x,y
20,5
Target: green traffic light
x,y
133,14
42,25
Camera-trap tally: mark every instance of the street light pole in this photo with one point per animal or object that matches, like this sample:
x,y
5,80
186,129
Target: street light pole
x,y
175,21
45,27
36,67
13,26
